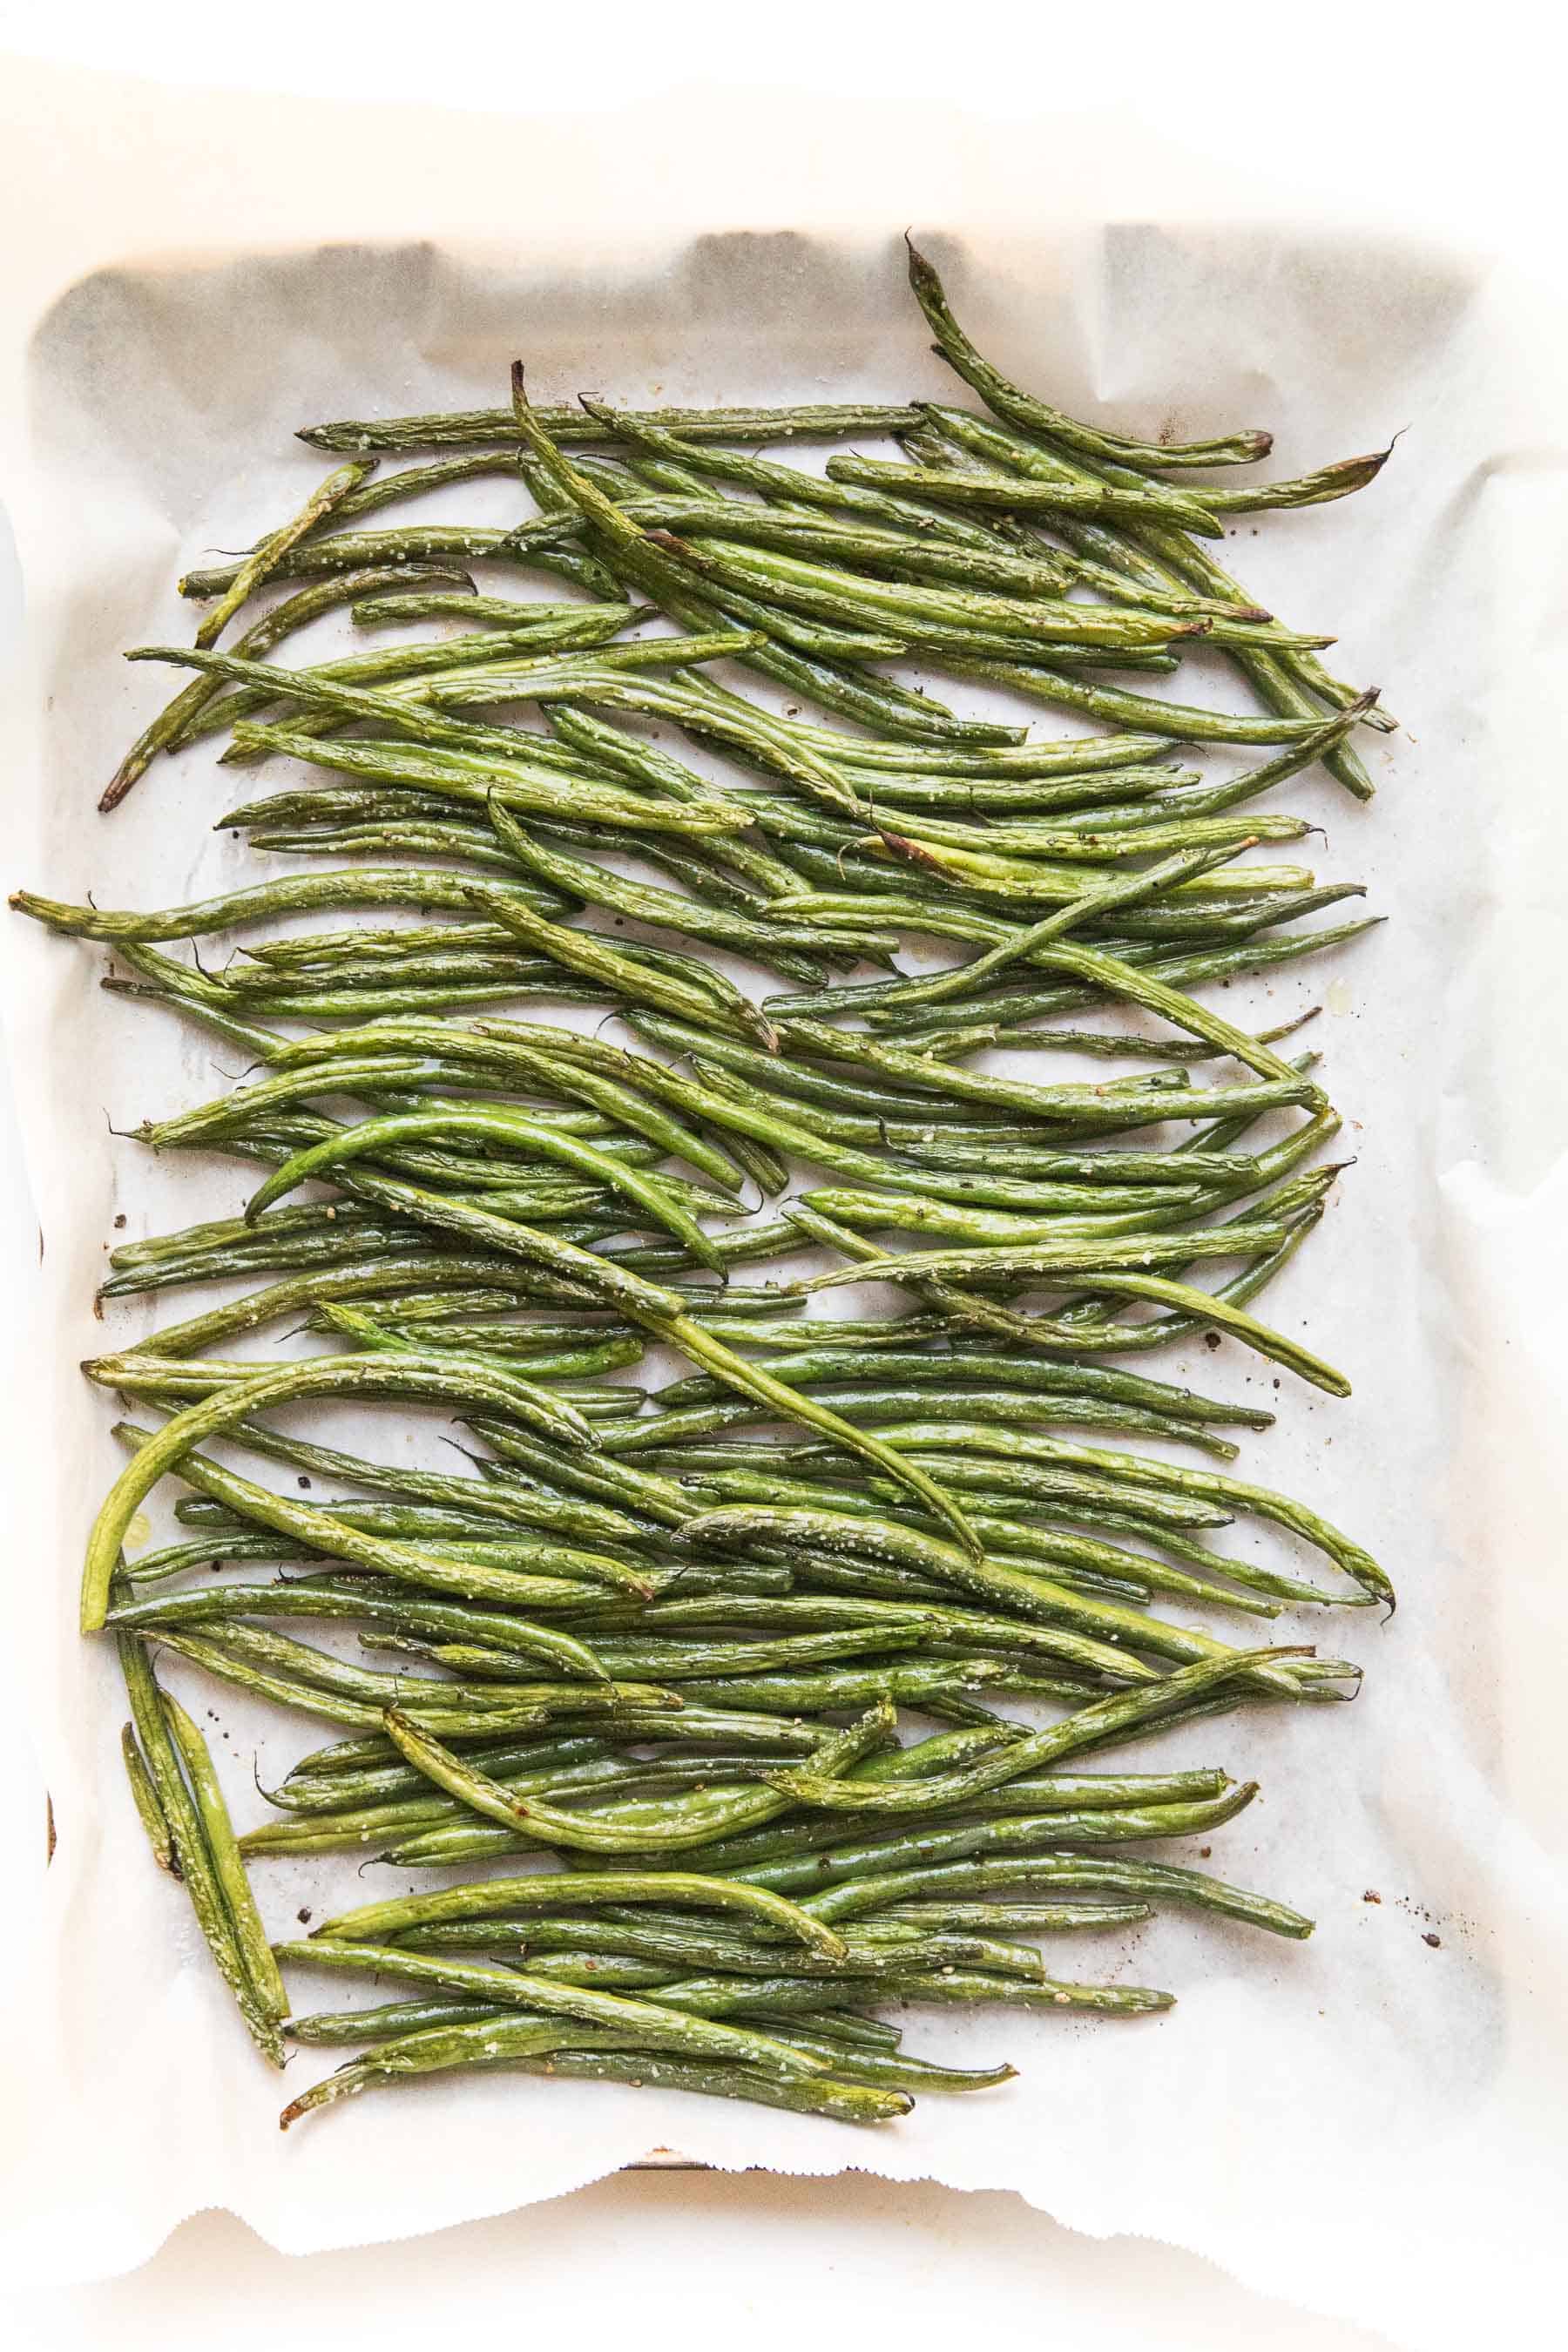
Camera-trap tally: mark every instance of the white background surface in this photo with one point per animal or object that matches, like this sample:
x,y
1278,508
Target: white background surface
x,y
1333,112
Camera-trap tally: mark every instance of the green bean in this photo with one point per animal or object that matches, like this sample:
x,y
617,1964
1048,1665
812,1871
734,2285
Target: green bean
x,y
1215,1307
1217,1487
875,1401
1033,416
322,1670
788,486
188,1841
314,1218
586,952
777,1852
940,1685
1057,1103
175,724
335,1533
326,1830
1152,503
507,1507
327,1375
583,423
912,608
881,1105
149,1804
1004,1919
387,2022
413,1310
652,1652
325,1767
681,1823
384,1265
1075,755
392,839
415,480
331,1781
227,1864
230,1115
1180,972
433,603
268,553
270,1666
1288,681
1103,1717
598,887
798,1134
497,1126
547,2050
1074,1494
650,569
737,724
397,1519
1024,946
833,1360
220,1602
538,540
1089,1567
885,1874
328,951
877,2069
683,1889
575,628
405,707
1011,795
558,1947
1159,560
705,524
648,2023
711,1996
606,1354
655,1309
1032,1251
485,773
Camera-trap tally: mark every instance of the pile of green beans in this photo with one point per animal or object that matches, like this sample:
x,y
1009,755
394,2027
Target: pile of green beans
x,y
649,1636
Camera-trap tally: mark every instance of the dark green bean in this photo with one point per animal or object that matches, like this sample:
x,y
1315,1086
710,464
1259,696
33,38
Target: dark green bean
x,y
1022,409
191,1850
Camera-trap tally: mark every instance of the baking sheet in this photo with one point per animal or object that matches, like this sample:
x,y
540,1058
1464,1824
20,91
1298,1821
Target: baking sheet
x,y
1366,2120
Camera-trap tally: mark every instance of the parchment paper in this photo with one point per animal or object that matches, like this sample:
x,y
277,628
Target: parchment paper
x,y
1366,2121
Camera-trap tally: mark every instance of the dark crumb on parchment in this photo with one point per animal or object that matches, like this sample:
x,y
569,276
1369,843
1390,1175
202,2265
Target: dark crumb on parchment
x,y
305,1484
1211,1339
303,1916
1435,1941
1371,1896
119,1223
